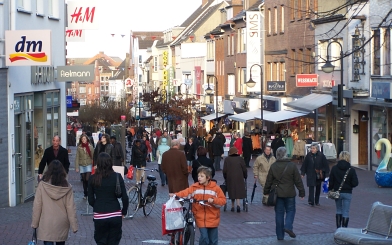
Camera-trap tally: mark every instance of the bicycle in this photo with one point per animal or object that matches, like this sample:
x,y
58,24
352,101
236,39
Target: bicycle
x,y
136,198
186,235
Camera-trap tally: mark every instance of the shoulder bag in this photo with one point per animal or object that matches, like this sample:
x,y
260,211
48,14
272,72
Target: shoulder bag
x,y
271,201
118,191
336,194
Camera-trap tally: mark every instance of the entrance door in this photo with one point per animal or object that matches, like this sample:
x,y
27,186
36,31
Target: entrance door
x,y
28,167
18,159
363,139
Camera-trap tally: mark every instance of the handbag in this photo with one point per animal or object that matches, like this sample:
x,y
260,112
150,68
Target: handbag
x,y
273,195
336,194
118,191
34,238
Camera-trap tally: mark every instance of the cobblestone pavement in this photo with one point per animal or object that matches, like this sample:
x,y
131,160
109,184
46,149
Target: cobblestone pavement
x,y
313,225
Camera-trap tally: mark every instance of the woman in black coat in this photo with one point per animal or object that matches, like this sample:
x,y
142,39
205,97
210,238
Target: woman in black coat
x,y
247,149
316,168
201,160
190,151
217,150
335,179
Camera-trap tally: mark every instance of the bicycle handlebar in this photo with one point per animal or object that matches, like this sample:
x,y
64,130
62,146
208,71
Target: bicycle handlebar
x,y
192,200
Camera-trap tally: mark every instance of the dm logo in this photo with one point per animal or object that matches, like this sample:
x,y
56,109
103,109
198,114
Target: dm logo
x,y
28,50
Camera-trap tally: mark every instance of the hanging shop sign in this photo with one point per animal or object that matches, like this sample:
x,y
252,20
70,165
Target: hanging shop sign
x,y
75,73
381,90
72,35
198,79
328,83
253,55
28,48
82,15
306,80
276,86
171,78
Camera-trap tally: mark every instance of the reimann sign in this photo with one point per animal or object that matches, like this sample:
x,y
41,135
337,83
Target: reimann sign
x,y
75,73
28,48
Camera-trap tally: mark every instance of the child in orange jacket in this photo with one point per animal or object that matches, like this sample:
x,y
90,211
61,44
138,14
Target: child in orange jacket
x,y
207,217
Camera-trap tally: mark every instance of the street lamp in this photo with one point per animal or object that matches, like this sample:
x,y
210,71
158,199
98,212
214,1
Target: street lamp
x,y
251,84
328,68
209,92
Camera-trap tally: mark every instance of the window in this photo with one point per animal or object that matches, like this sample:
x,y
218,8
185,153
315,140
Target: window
x,y
282,19
82,90
276,20
334,53
292,10
89,90
155,63
102,88
322,53
376,52
54,8
24,5
386,51
107,87
241,44
307,13
231,84
301,61
97,90
210,48
282,72
40,8
82,102
232,44
293,61
102,79
299,9
309,61
228,45
270,71
277,71
140,59
269,21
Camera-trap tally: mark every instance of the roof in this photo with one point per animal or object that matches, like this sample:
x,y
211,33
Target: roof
x,y
196,24
310,102
147,38
256,5
196,14
101,56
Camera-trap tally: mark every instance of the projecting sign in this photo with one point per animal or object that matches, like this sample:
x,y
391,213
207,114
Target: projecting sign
x,y
72,35
306,80
82,15
28,48
75,73
276,86
381,90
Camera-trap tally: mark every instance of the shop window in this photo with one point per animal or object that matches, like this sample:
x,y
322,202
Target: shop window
x,y
379,130
56,121
56,98
49,128
49,99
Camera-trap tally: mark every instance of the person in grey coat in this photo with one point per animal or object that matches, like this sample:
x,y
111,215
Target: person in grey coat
x,y
316,168
235,174
117,151
285,175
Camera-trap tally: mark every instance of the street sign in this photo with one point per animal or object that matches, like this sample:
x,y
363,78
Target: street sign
x,y
69,101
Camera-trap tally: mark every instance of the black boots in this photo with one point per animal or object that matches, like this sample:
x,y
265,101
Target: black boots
x,y
345,221
338,220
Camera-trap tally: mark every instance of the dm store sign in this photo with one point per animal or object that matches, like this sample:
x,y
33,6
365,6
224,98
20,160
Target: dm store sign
x,y
28,48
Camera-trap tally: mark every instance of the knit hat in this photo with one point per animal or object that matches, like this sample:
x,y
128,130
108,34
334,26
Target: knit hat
x,y
233,151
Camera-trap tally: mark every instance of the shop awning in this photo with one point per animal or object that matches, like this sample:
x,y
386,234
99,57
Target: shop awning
x,y
212,116
310,102
284,115
249,115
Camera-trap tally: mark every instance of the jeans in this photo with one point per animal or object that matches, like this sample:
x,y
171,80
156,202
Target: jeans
x,y
162,175
208,236
108,231
284,205
217,160
52,243
154,153
314,199
343,204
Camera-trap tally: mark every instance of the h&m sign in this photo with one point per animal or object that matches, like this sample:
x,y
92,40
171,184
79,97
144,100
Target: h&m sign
x,y
276,86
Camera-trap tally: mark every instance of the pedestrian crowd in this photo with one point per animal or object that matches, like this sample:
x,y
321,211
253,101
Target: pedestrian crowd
x,y
177,159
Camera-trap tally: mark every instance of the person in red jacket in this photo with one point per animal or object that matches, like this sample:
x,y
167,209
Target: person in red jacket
x,y
238,143
207,217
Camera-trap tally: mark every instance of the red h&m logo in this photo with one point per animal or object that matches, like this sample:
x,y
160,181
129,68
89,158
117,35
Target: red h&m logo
x,y
73,33
28,50
78,15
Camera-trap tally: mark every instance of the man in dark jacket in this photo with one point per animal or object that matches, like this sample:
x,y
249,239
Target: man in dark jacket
x,y
54,152
139,158
154,144
316,168
276,143
285,175
217,150
117,151
247,148
103,146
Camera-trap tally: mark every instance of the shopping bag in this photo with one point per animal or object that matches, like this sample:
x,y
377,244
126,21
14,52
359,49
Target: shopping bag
x,y
93,169
130,172
174,218
325,185
34,238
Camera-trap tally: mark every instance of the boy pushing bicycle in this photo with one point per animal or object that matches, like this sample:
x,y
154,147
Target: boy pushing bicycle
x,y
207,217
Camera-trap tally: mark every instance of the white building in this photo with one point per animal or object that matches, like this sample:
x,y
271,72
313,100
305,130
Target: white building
x,y
34,103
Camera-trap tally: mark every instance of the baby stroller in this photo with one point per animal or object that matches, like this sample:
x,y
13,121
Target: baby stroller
x,y
244,201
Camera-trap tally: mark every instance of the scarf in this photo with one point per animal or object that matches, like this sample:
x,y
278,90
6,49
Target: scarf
x,y
87,148
267,156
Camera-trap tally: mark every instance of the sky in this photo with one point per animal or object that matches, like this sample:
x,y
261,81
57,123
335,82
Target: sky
x,y
119,17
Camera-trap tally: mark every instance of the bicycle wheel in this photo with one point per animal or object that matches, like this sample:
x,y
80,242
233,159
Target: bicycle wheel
x,y
134,200
149,203
189,235
178,238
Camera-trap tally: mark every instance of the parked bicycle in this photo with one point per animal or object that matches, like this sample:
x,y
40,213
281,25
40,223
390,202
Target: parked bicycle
x,y
186,236
136,198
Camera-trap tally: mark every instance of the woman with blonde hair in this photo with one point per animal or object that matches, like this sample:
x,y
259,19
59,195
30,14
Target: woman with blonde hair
x,y
343,172
84,161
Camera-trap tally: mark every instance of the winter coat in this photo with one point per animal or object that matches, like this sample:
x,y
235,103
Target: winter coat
x,y
217,146
205,216
103,198
289,180
275,144
108,150
168,140
54,212
162,148
310,164
261,167
118,154
246,146
202,161
139,155
337,174
190,151
299,148
49,156
238,144
234,173
82,157
176,169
